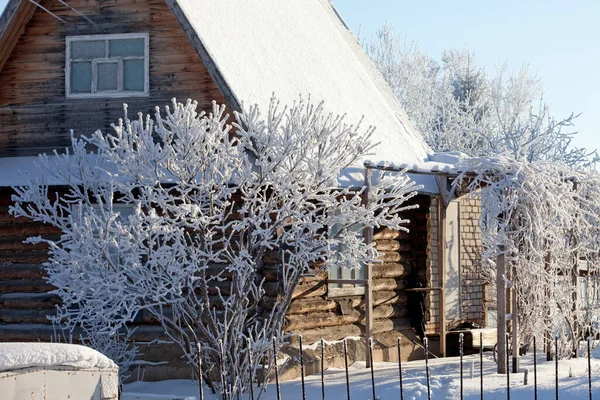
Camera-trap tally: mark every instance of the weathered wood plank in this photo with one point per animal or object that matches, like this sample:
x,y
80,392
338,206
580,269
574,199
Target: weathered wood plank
x,y
33,75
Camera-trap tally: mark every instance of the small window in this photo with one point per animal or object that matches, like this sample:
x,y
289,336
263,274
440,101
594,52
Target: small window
x,y
107,66
340,272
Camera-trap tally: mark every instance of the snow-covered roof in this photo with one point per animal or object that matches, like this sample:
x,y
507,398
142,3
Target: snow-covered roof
x,y
443,163
301,48
25,355
254,50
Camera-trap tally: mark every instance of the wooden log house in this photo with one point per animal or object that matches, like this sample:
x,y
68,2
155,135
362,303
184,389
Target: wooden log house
x,y
72,65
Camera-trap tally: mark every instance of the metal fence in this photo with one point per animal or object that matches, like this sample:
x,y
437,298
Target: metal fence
x,y
426,353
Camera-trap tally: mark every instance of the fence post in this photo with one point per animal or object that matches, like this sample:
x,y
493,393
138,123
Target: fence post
x,y
200,381
400,369
372,372
481,364
346,365
223,373
535,396
501,309
460,350
302,367
251,370
507,358
589,367
322,369
276,368
556,364
426,343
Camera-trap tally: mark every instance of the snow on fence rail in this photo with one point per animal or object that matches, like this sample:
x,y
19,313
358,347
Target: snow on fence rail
x,y
467,373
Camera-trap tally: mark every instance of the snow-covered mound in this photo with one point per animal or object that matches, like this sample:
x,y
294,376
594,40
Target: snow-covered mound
x,y
25,355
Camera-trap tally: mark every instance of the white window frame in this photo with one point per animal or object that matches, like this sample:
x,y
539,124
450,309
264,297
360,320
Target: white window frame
x,y
335,289
119,93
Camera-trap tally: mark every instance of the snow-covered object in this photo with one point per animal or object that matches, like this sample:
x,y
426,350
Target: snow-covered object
x,y
545,218
24,355
458,106
191,253
301,47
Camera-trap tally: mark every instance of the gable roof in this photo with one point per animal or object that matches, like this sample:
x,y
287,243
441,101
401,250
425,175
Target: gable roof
x,y
298,48
254,49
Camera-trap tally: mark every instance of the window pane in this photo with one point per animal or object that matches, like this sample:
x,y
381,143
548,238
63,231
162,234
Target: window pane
x,y
126,47
81,77
88,49
107,76
133,75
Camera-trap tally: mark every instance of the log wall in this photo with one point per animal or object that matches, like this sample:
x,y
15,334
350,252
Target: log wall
x,y
35,115
317,315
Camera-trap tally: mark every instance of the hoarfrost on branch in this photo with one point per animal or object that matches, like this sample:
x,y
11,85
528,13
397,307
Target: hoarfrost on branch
x,y
226,219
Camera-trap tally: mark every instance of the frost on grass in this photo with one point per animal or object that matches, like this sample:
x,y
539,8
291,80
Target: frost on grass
x,y
223,221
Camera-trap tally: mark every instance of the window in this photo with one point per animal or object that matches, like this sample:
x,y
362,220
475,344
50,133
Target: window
x,y
107,66
340,272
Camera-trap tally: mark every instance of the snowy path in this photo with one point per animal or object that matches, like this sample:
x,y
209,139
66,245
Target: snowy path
x,y
445,383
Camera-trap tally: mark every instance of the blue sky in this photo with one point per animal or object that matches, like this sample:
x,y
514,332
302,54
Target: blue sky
x,y
558,39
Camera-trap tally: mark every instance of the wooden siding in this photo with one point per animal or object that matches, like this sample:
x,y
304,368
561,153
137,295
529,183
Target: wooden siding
x,y
25,302
315,315
35,115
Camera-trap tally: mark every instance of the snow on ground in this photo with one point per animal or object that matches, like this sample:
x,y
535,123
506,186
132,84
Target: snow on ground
x,y
23,355
445,382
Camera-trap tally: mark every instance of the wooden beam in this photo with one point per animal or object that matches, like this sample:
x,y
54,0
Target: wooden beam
x,y
368,277
12,25
442,271
514,321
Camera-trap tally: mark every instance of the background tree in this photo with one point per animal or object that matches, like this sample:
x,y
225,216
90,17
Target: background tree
x,y
459,107
224,221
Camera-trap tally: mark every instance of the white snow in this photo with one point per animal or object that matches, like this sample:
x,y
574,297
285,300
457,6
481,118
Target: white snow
x,y
445,382
302,48
24,355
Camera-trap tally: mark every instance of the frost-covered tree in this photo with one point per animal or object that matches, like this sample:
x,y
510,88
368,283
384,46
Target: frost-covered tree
x,y
207,226
545,218
458,107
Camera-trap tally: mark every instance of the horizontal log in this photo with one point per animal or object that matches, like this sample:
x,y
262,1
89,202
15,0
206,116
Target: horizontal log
x,y
312,304
30,316
390,270
311,336
390,311
27,229
323,319
27,332
24,257
389,297
302,290
25,285
387,245
28,300
389,234
389,256
21,271
388,284
15,243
